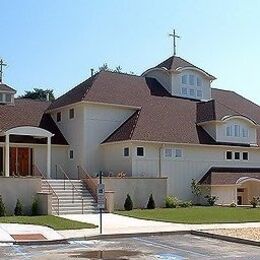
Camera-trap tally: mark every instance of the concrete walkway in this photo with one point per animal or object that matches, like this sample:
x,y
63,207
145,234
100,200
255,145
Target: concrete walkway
x,y
113,224
10,233
116,224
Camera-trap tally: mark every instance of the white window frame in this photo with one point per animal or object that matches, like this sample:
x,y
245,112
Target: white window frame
x,y
71,150
182,92
71,118
237,130
245,132
199,82
185,76
165,154
237,152
228,151
57,117
175,153
128,152
191,80
143,151
194,92
242,158
200,91
229,131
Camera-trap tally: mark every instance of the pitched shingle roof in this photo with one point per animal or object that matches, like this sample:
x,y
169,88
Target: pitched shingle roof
x,y
28,112
175,63
228,175
4,87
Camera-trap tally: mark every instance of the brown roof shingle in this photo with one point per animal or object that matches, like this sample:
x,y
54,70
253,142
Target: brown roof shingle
x,y
228,175
28,112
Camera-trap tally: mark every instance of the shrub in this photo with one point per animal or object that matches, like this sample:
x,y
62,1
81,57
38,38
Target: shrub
x,y
151,203
2,207
128,203
211,199
35,207
255,201
18,210
185,204
171,202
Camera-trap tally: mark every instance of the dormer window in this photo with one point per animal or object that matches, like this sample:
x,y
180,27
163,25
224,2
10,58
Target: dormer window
x,y
199,82
191,80
6,95
184,79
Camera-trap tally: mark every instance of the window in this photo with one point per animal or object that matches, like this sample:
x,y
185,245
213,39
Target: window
x,y
229,131
184,91
199,93
71,154
192,92
1,97
71,113
168,152
191,79
178,153
244,132
237,155
140,151
245,156
7,97
199,82
229,155
126,151
184,79
237,130
58,117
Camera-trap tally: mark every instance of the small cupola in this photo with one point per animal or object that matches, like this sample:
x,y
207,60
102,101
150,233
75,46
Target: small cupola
x,y
6,93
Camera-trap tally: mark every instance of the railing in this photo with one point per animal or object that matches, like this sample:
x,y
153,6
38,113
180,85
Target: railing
x,y
88,181
37,172
74,189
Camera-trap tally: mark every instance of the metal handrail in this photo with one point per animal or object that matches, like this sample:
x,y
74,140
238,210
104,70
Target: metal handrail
x,y
37,170
89,182
65,176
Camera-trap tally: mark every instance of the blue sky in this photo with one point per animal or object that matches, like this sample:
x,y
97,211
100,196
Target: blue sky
x,y
53,44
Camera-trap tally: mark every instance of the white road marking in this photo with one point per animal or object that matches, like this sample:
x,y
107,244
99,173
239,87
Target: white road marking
x,y
156,244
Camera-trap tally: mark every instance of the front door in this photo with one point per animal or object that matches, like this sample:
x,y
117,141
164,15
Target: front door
x,y
20,161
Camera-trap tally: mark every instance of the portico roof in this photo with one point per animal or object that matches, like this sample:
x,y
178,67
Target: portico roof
x,y
229,176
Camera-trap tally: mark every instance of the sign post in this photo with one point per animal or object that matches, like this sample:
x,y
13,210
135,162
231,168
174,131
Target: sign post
x,y
100,199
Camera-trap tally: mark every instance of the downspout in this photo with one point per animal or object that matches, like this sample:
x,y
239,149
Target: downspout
x,y
160,161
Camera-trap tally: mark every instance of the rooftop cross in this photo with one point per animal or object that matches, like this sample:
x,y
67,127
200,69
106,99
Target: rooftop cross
x,y
174,37
2,64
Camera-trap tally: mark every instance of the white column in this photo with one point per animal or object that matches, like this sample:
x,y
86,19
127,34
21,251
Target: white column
x,y
49,157
7,154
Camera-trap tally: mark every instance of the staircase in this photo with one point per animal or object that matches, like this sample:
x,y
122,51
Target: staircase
x,y
62,199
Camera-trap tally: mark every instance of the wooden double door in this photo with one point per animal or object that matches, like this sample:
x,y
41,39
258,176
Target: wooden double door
x,y
20,161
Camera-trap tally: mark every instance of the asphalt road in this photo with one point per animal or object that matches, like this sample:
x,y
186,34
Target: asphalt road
x,y
153,247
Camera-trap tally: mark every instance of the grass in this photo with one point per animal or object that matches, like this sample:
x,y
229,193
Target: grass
x,y
54,222
197,215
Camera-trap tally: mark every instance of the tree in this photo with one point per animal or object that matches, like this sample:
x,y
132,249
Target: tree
x,y
151,203
39,93
118,69
196,190
128,205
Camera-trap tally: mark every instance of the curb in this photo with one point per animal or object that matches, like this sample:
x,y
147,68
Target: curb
x,y
225,238
36,242
126,235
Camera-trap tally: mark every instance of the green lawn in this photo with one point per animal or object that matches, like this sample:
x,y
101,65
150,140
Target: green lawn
x,y
197,215
54,222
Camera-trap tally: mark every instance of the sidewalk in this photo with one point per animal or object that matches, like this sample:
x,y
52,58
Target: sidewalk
x,y
116,224
113,224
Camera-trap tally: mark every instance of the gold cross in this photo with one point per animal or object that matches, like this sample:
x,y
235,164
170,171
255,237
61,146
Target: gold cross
x,y
174,37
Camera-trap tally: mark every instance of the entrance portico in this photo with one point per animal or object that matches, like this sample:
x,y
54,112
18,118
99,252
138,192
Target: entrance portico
x,y
35,132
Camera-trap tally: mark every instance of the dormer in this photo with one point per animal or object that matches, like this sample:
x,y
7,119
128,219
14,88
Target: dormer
x,y
6,94
183,79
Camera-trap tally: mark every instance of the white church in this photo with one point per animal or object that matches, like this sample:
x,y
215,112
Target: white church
x,y
152,133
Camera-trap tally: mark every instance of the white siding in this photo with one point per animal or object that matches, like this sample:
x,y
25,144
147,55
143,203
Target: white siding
x,y
222,137
114,160
72,129
100,121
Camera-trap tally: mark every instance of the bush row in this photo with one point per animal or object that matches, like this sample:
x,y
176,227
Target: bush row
x,y
19,209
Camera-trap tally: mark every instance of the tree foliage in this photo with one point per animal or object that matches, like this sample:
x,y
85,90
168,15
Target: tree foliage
x,y
128,205
151,203
117,69
40,94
